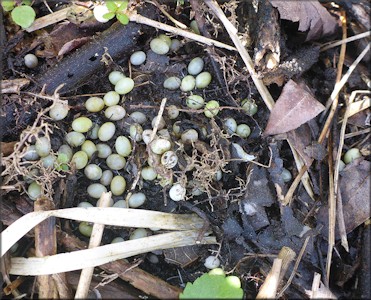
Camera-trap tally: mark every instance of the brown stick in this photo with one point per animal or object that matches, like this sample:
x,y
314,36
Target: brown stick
x,y
45,244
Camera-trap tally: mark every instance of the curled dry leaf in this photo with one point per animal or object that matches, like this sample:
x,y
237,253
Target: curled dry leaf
x,y
294,107
355,192
311,15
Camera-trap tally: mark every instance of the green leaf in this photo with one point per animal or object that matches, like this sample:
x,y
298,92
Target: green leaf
x,y
7,5
23,15
109,16
112,7
122,18
212,287
123,5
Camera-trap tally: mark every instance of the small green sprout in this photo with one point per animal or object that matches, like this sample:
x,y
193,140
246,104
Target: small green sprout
x,y
213,285
117,9
23,15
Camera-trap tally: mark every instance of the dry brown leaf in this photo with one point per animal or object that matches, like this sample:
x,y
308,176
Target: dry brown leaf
x,y
311,15
294,107
355,193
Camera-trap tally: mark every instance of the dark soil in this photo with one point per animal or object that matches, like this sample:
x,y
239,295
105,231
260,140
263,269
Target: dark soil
x,y
243,208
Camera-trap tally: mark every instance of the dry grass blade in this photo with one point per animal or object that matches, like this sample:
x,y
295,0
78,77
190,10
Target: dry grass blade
x,y
269,288
95,240
76,260
109,216
134,17
344,41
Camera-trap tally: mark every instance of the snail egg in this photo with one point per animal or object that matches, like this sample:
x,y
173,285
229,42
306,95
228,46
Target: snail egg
x,y
85,229
194,27
230,125
189,136
195,101
176,128
80,159
89,148
165,38
172,83
106,131
95,190
99,11
124,86
59,111
159,146
93,172
118,185
149,173
188,83
115,162
85,204
286,175
249,107
48,161
203,80
123,146
211,109
94,104
169,159
106,178
111,98
103,150
136,200
115,76
115,112
164,133
34,190
138,117
138,234
350,155
159,46
30,177
43,146
137,58
146,135
243,130
172,112
136,132
212,262
31,153
175,45
195,66
177,192
31,61
75,139
66,152
82,124
93,133
118,239
120,204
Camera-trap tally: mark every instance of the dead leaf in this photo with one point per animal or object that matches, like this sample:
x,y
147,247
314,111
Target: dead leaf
x,y
294,107
72,45
355,192
311,15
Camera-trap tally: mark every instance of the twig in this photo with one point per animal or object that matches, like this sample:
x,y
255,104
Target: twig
x,y
301,253
158,119
135,17
95,239
331,211
269,288
232,31
334,101
344,41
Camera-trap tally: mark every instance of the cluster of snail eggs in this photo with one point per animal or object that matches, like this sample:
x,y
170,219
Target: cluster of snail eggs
x,y
100,152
